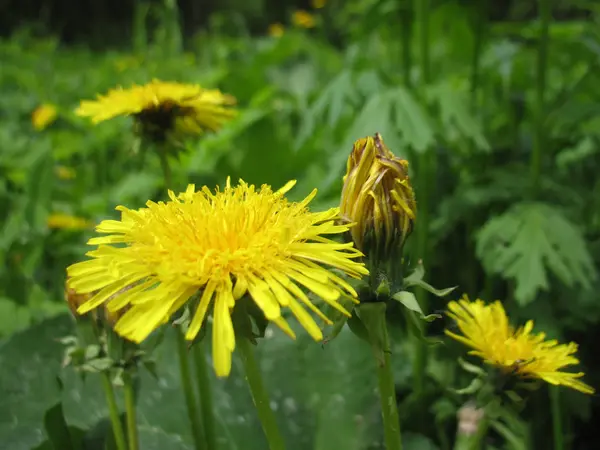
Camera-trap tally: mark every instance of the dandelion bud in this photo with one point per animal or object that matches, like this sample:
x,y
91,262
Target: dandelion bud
x,y
378,198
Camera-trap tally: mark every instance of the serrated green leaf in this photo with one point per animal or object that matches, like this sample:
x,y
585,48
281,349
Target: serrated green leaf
x,y
530,239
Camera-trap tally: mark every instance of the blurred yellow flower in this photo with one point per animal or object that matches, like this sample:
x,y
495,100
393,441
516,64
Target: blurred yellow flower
x,y
68,222
303,19
318,4
161,107
224,246
276,30
65,173
485,328
43,116
378,198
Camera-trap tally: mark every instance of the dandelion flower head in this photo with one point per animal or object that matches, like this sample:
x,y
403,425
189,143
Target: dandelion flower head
x,y
43,116
486,329
162,107
220,245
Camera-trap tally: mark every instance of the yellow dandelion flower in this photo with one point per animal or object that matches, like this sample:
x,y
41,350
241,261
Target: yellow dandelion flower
x,y
318,4
485,328
65,173
43,116
276,30
378,198
303,19
222,246
163,107
67,222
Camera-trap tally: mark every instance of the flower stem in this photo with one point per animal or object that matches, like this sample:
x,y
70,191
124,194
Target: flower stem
x,y
387,392
557,421
130,410
259,395
166,168
545,11
204,389
113,411
188,392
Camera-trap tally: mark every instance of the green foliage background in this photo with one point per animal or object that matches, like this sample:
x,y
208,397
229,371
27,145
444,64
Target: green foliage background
x,y
504,153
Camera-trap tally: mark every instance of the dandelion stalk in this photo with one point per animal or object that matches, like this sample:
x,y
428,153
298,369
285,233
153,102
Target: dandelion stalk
x,y
130,411
542,62
387,392
166,168
204,389
557,420
113,411
259,395
188,392
424,169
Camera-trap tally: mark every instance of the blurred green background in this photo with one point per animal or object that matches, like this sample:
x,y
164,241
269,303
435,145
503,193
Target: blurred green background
x,y
496,104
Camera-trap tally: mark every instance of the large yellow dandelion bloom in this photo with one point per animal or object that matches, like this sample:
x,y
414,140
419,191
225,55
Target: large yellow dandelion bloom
x,y
162,107
43,116
222,246
378,198
485,328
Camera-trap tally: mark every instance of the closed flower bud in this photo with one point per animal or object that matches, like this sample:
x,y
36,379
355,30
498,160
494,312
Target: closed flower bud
x,y
378,198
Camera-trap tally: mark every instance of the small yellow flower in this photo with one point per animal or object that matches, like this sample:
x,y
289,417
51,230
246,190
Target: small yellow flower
x,y
276,30
160,108
318,4
67,222
303,19
65,173
43,116
485,328
378,198
210,250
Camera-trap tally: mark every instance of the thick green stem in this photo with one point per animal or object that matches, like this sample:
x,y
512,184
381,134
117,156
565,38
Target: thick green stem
x,y
259,395
545,9
387,392
422,18
113,411
204,389
188,392
557,420
130,411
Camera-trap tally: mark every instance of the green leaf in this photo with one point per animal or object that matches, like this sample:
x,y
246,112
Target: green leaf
x,y
409,300
57,429
416,279
529,240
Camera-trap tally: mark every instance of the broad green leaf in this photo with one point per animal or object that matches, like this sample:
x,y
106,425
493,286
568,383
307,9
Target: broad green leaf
x,y
529,240
409,300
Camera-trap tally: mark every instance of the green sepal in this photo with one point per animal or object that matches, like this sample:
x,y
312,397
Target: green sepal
x,y
358,328
258,319
336,328
242,321
416,279
471,368
372,316
409,300
473,387
383,290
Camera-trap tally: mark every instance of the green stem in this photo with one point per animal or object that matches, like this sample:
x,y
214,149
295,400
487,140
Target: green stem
x,y
387,392
406,21
557,421
423,185
259,395
473,441
166,168
545,9
204,389
188,391
130,411
113,411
